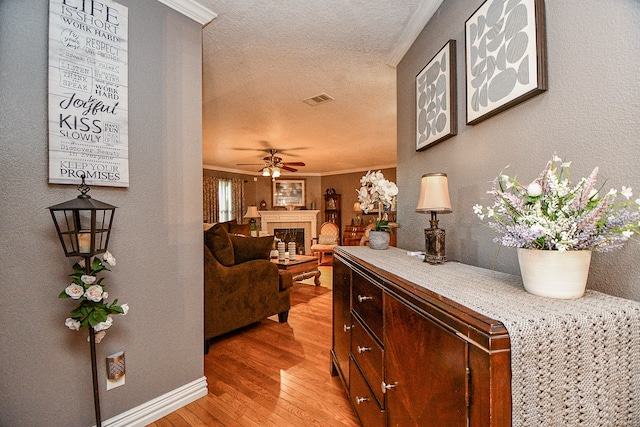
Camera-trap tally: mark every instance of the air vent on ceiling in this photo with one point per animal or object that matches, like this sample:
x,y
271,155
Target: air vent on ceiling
x,y
318,99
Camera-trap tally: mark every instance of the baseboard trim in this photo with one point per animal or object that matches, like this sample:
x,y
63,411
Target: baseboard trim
x,y
157,408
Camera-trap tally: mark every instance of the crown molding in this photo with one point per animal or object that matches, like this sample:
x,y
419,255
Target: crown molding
x,y
191,9
413,29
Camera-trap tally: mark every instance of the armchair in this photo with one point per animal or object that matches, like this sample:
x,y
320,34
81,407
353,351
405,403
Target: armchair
x,y
328,238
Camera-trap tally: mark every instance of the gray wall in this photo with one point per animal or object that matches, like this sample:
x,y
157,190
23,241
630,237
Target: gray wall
x,y
589,115
157,238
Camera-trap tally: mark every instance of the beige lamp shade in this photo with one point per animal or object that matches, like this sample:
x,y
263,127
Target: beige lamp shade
x,y
356,207
252,212
434,193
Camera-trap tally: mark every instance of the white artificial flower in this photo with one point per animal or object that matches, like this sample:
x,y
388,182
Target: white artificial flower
x,y
75,291
556,158
94,293
105,295
638,201
99,336
109,259
477,209
626,192
490,212
565,164
627,233
125,308
534,189
104,325
72,324
612,192
88,279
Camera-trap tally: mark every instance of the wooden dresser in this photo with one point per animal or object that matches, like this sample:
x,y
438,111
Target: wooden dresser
x,y
411,355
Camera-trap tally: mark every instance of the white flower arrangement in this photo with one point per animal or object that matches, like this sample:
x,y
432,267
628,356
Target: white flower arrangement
x,y
376,192
93,310
549,214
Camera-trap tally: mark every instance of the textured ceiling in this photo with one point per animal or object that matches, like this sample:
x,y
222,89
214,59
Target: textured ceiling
x,y
262,58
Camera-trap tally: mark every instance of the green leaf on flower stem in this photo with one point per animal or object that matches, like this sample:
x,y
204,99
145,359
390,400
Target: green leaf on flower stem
x,y
98,315
63,294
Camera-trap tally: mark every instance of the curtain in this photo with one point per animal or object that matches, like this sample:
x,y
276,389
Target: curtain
x,y
210,199
223,199
237,199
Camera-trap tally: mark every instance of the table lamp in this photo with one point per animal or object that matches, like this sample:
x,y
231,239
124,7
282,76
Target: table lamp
x,y
357,209
252,214
434,198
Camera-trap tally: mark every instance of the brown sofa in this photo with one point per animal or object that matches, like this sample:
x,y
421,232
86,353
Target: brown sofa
x,y
241,285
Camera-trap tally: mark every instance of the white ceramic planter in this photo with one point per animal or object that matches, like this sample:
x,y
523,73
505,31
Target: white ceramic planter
x,y
554,274
379,239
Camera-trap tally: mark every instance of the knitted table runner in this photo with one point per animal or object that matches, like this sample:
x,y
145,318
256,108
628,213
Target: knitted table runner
x,y
573,362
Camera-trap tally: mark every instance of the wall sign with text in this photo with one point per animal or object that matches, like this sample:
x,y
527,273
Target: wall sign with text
x,y
88,97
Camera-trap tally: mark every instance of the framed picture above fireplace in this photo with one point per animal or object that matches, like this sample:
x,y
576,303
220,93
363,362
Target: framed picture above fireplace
x,y
288,192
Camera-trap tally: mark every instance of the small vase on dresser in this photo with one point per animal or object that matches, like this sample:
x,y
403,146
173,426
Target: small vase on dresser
x,y
379,239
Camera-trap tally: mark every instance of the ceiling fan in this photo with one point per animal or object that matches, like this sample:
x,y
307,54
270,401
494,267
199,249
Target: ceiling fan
x,y
273,164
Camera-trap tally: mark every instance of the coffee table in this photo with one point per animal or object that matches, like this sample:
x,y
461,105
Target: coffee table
x,y
300,268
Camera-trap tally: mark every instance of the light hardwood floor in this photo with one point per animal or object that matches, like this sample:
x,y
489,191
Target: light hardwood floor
x,y
274,374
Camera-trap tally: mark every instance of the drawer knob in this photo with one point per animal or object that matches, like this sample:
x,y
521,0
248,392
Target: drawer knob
x,y
363,298
346,328
384,386
360,400
363,349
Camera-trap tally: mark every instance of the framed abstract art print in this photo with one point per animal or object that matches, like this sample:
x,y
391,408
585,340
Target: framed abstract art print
x,y
436,118
505,56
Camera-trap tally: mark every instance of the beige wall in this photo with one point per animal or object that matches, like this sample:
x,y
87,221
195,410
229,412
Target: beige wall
x,y
589,115
345,184
157,238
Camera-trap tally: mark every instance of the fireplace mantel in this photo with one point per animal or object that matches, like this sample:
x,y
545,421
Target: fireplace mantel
x,y
307,219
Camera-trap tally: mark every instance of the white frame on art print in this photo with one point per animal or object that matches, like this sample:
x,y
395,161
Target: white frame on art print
x,y
505,56
436,108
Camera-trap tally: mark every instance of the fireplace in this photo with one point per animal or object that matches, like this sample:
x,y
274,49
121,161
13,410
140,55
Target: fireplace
x,y
305,219
291,235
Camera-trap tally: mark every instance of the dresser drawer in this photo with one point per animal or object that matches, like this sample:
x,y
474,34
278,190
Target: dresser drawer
x,y
362,399
366,301
368,355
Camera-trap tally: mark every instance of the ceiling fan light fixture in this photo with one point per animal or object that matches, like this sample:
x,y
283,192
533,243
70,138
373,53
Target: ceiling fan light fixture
x,y
265,172
275,173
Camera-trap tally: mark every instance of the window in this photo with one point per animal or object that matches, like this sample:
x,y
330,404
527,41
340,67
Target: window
x,y
225,200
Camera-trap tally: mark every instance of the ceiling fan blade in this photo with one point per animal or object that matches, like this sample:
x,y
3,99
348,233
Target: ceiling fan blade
x,y
248,164
287,168
293,163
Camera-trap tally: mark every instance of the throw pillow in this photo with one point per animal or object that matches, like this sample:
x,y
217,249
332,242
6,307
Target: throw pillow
x,y
217,240
244,229
324,239
250,248
227,224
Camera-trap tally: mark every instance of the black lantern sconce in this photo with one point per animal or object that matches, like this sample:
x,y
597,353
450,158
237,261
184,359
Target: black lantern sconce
x,y
84,226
